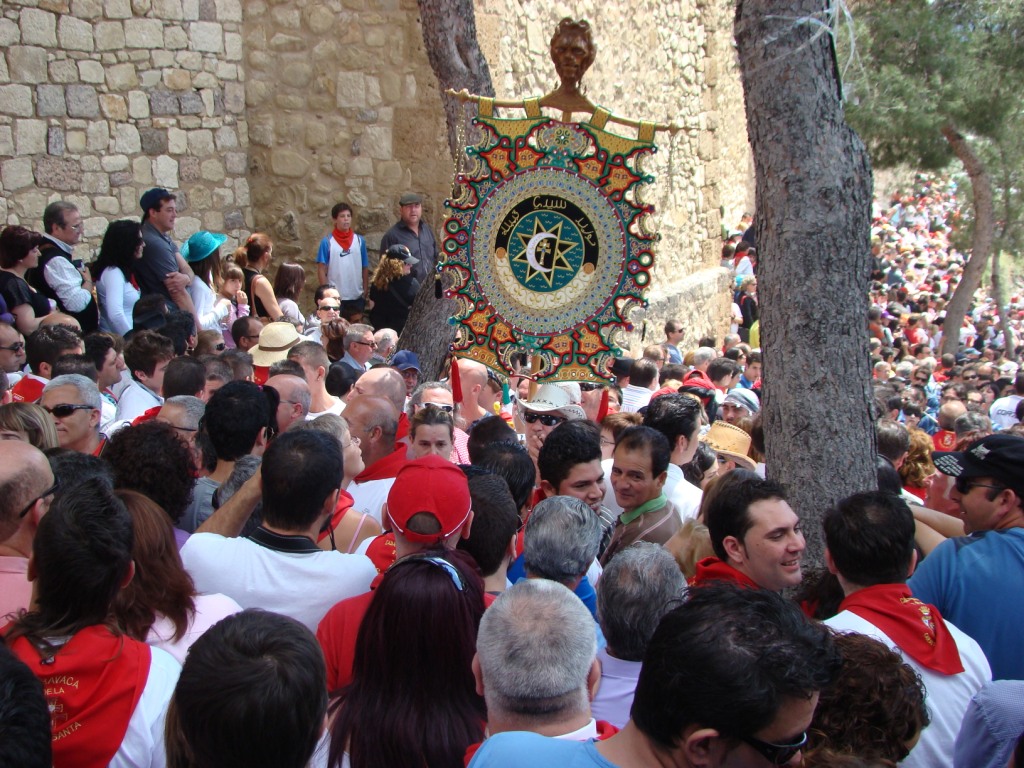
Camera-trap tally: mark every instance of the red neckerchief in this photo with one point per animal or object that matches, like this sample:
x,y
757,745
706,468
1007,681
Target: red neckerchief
x,y
944,440
344,505
712,569
916,627
381,551
101,446
92,687
605,730
147,415
403,426
344,239
385,468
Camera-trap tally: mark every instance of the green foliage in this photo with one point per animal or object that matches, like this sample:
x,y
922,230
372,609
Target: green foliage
x,y
924,65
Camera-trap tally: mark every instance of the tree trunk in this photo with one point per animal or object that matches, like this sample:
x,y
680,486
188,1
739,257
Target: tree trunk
x,y
449,35
813,216
1009,342
981,243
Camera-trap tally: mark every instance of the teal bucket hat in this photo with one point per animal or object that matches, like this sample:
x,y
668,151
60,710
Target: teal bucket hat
x,y
201,245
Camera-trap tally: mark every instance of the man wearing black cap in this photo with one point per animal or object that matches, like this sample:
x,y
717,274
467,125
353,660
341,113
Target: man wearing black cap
x,y
414,233
974,580
161,268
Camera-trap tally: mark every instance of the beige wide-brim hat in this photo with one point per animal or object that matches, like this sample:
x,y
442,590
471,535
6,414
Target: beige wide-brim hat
x,y
731,442
275,341
552,397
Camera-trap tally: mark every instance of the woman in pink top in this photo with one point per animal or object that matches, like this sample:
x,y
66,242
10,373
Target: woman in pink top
x,y
160,605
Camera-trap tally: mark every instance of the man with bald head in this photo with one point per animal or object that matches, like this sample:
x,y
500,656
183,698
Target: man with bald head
x,y
26,490
388,384
295,399
374,422
315,364
473,377
944,438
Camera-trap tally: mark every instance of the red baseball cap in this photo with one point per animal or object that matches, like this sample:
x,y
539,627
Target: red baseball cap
x,y
433,486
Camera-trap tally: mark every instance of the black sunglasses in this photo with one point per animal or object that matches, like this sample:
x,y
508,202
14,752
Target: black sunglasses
x,y
547,419
48,492
964,485
777,754
17,346
64,410
330,307
589,386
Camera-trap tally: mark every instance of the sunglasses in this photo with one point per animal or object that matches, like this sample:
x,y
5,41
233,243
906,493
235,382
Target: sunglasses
x,y
48,492
589,386
970,378
17,346
453,573
547,419
330,307
220,347
777,754
64,410
964,485
440,406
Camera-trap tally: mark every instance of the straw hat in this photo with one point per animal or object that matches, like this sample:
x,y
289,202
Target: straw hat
x,y
275,341
729,441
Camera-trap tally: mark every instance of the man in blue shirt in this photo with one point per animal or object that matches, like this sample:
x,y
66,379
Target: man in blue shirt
x,y
974,580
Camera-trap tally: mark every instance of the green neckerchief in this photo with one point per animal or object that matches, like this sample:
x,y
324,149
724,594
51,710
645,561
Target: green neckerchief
x,y
628,517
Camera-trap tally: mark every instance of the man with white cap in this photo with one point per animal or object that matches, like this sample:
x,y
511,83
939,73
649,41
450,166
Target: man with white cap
x,y
739,404
550,406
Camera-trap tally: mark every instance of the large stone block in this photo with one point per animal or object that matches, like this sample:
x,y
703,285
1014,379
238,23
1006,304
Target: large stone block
x,y
236,163
91,71
109,35
86,9
212,170
138,105
228,10
97,136
296,74
75,141
286,162
50,101
82,101
6,144
112,163
200,143
153,141
55,141
96,183
165,171
175,38
226,138
9,33
144,33
168,9
119,9
188,169
114,107
142,170
351,89
177,79
126,139
191,103
30,137
190,60
207,10
58,173
206,36
5,74
234,220
37,27
64,71
164,103
233,46
121,77
205,81
27,64
75,34
223,197
107,204
377,142
177,141
16,173
242,196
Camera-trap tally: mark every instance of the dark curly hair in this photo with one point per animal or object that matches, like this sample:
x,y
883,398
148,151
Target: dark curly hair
x,y
875,708
149,458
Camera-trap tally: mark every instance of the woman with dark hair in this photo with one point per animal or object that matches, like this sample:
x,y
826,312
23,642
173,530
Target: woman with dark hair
x,y
202,252
393,289
254,256
151,459
19,252
108,693
288,285
160,605
332,336
113,271
432,431
413,699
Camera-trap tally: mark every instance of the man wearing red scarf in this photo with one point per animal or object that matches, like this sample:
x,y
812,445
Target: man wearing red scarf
x,y
342,260
870,549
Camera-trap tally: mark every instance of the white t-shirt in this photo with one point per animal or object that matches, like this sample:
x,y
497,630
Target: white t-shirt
x,y
687,497
302,583
143,745
1003,411
369,498
209,610
946,697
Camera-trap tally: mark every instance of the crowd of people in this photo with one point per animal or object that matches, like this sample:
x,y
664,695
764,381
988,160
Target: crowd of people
x,y
234,535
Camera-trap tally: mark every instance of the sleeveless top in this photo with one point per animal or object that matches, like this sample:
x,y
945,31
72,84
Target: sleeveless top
x,y
257,306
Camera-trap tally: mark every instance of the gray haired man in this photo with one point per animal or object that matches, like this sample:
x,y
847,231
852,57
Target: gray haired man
x,y
640,585
535,663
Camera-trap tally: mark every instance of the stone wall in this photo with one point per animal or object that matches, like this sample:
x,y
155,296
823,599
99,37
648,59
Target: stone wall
x,y
263,114
102,99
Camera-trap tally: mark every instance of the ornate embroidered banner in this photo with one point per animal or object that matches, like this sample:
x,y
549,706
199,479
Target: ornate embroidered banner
x,y
546,247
